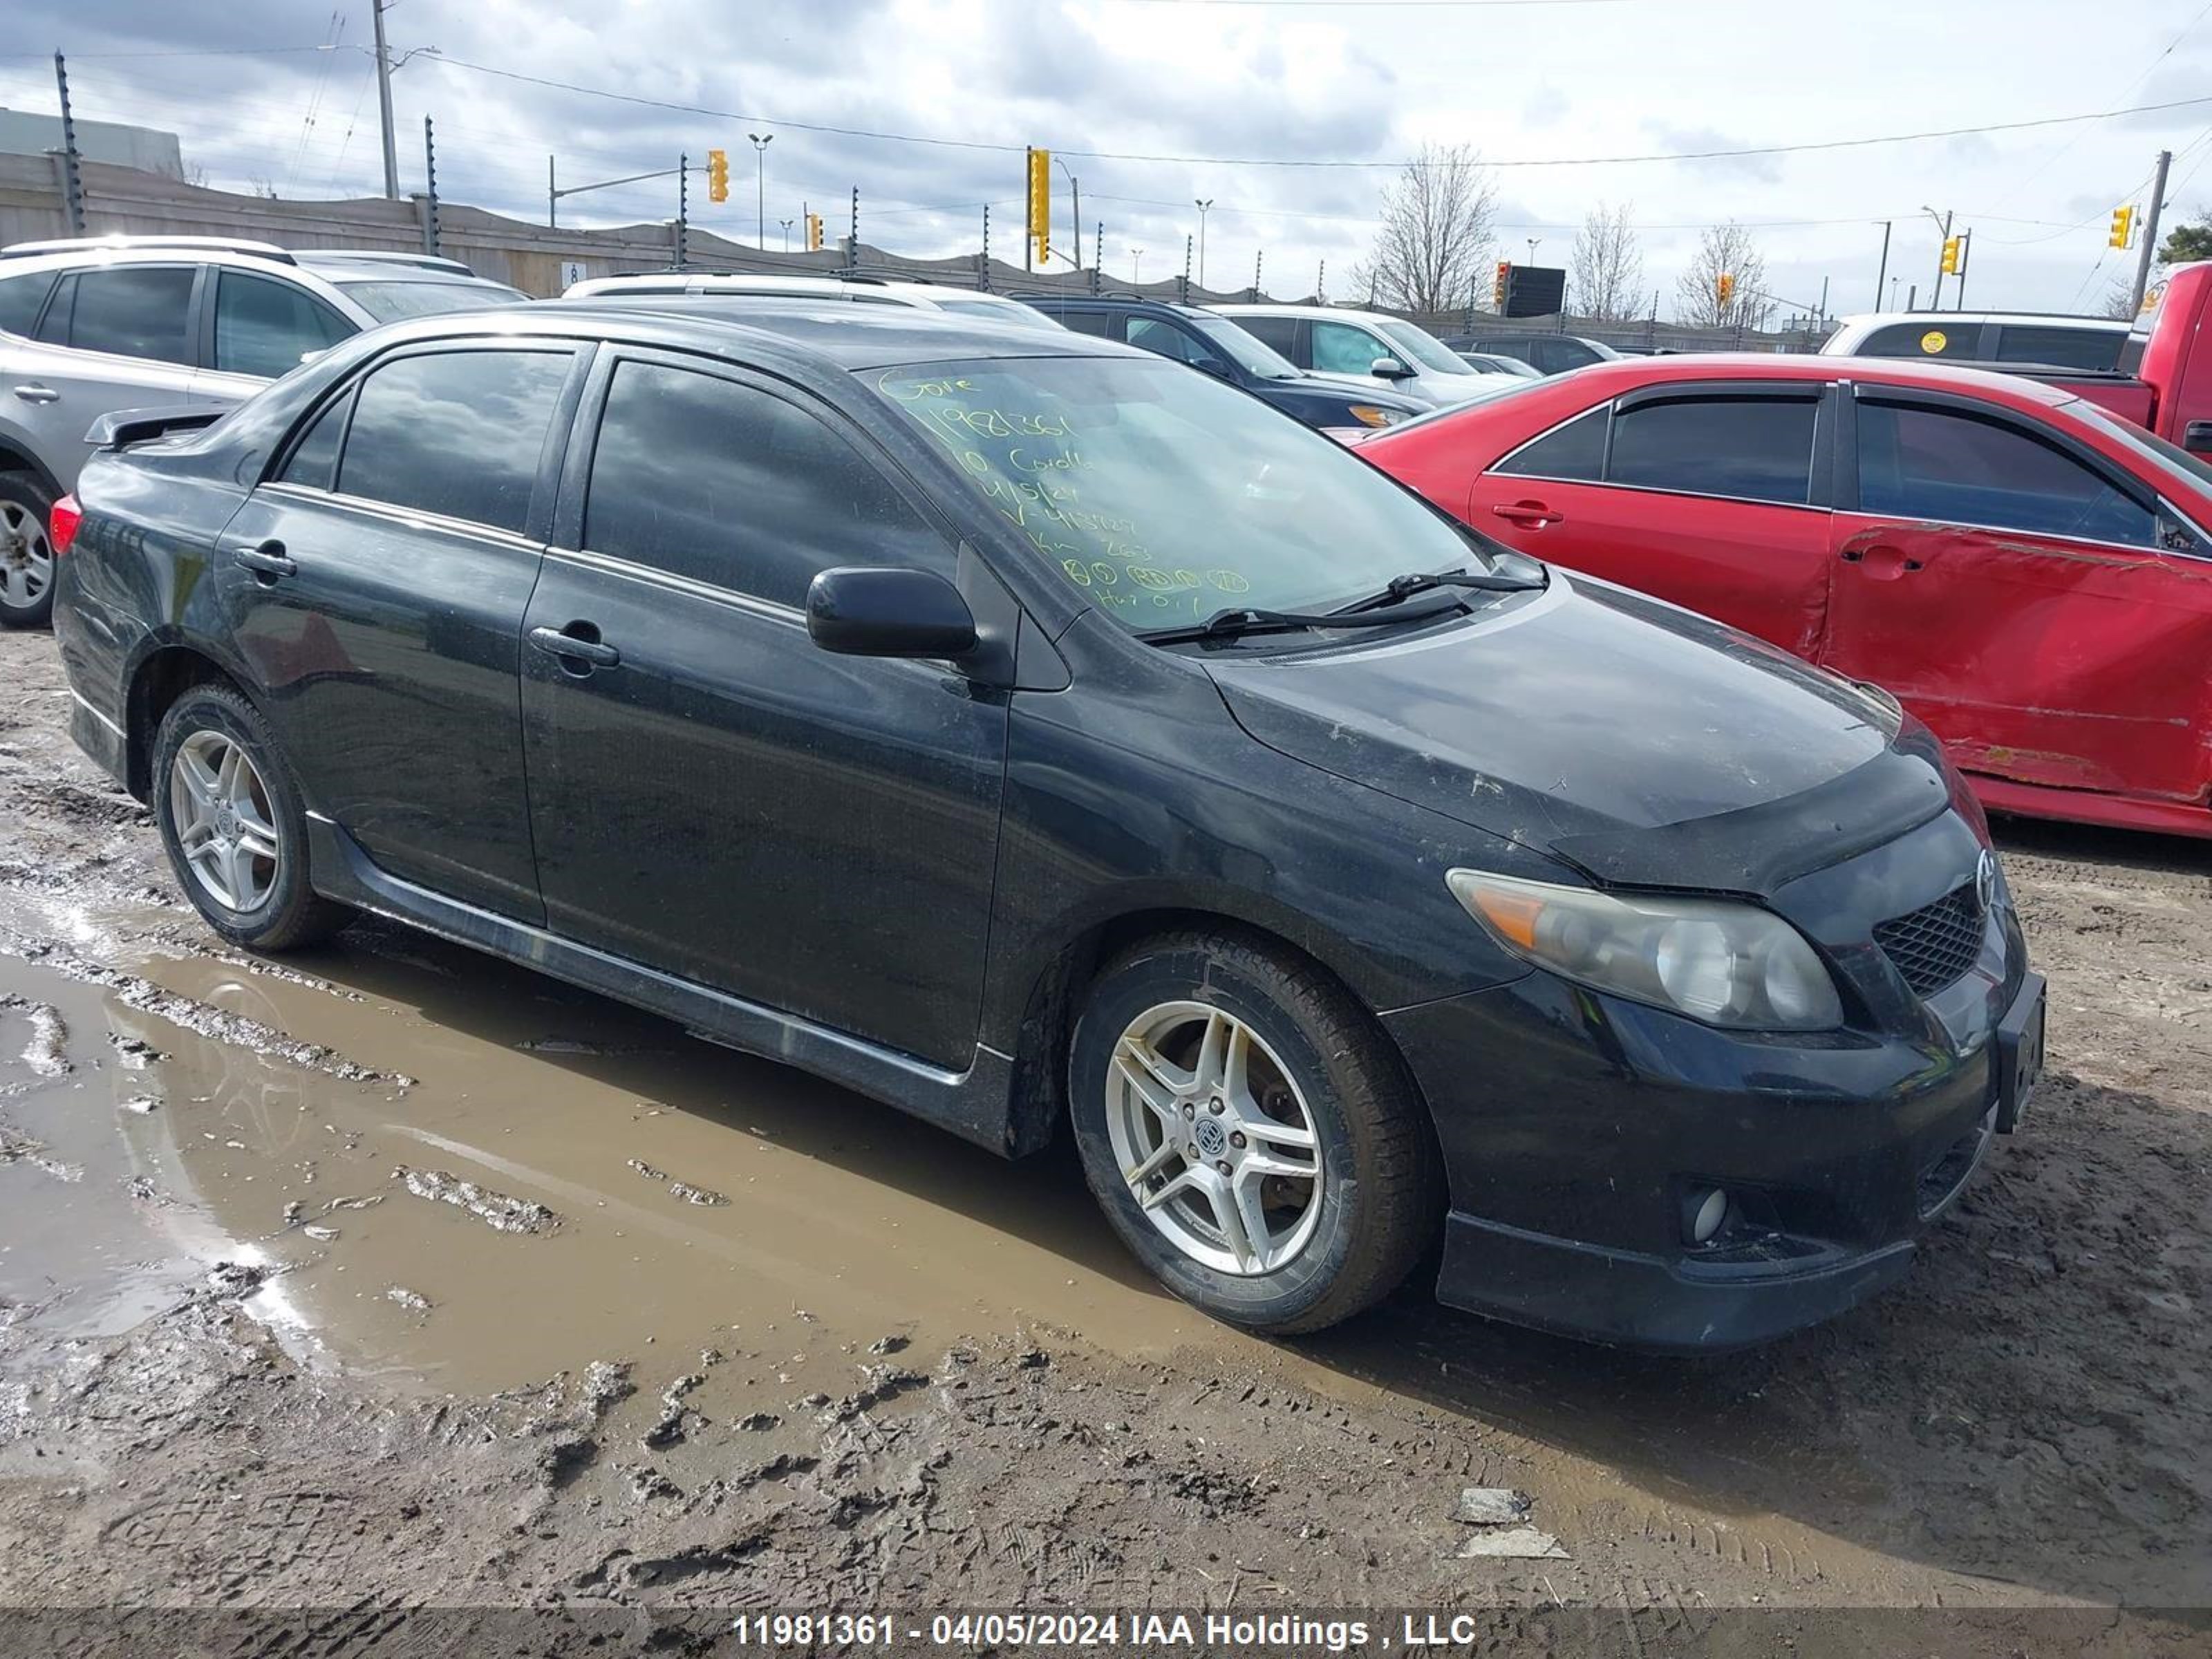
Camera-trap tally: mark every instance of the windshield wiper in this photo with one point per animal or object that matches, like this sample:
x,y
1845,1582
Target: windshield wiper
x,y
1236,622
1523,576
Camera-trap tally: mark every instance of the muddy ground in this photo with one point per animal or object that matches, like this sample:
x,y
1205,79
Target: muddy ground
x,y
391,1276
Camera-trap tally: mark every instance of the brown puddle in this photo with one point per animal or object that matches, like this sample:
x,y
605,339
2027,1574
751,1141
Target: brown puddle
x,y
458,1173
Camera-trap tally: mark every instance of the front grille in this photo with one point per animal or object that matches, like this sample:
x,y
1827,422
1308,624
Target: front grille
x,y
1936,944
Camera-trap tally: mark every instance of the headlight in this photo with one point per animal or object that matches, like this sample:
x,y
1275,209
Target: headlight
x,y
1368,415
1727,964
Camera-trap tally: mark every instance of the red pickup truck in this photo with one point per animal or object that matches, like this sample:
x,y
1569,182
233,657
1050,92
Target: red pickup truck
x,y
2165,381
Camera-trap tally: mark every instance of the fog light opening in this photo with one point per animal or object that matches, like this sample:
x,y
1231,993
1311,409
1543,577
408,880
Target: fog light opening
x,y
1704,1213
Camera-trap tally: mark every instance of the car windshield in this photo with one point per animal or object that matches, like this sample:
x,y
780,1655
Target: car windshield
x,y
1423,347
398,299
998,311
2148,446
1248,351
1164,496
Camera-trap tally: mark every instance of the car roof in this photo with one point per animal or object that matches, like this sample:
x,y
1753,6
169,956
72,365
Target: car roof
x,y
831,333
893,291
1628,373
1940,318
1344,314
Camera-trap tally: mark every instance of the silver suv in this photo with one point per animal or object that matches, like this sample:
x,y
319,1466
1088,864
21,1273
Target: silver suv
x,y
88,328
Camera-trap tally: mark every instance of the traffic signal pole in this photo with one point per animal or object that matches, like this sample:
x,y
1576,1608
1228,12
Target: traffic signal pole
x,y
2149,248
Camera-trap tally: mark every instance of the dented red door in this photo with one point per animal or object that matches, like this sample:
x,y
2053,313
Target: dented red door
x,y
2014,589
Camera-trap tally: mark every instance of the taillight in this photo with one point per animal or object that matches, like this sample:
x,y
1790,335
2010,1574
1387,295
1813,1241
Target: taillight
x,y
62,523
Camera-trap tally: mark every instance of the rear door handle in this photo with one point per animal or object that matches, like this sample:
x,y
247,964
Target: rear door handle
x,y
1534,513
32,392
572,642
265,559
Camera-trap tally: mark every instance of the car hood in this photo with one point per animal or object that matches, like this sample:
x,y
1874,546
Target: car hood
x,y
1642,743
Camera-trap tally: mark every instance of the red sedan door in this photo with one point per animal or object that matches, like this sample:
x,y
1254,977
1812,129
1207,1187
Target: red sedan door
x,y
1712,494
2037,605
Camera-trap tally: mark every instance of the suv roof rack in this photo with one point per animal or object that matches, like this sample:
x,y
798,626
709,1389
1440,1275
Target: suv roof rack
x,y
181,244
383,257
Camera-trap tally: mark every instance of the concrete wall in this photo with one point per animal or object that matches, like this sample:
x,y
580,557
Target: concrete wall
x,y
24,133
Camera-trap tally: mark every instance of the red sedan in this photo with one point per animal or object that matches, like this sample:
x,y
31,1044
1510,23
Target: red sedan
x,y
2030,574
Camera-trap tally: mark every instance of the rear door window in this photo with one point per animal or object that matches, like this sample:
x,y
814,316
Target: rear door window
x,y
266,328
134,311
1101,323
20,297
1953,468
726,484
2060,347
1280,332
459,434
1340,349
1757,449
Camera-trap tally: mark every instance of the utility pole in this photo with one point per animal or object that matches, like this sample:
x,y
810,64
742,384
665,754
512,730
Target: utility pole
x,y
2149,249
73,180
1824,300
1203,208
760,188
383,101
1936,302
1075,211
1882,275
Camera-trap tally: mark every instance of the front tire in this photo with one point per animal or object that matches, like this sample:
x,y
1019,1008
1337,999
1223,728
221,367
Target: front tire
x,y
1250,1134
232,820
27,551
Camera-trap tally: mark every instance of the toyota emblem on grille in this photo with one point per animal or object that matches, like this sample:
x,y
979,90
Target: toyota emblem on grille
x,y
1986,890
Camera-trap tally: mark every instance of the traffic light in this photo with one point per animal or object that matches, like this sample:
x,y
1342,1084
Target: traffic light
x,y
2124,229
1724,285
718,175
1040,226
1500,283
813,233
1950,256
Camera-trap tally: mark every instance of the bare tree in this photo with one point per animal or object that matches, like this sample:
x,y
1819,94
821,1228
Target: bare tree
x,y
1434,245
264,188
2119,301
1724,251
1608,266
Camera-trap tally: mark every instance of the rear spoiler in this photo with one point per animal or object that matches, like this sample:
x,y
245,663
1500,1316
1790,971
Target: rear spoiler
x,y
135,426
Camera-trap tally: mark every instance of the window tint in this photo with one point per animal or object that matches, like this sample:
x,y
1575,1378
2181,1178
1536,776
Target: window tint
x,y
455,433
262,326
1280,332
1100,323
1927,338
1340,349
1575,451
1166,339
1954,469
314,459
134,311
2061,347
1757,449
20,298
707,478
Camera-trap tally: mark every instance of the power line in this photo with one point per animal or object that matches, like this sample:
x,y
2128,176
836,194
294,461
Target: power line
x,y
1733,153
183,52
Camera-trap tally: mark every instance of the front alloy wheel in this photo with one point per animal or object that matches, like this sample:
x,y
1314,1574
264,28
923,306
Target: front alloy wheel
x,y
1214,1139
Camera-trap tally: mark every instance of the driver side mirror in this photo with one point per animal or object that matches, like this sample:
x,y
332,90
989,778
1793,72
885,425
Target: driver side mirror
x,y
1212,366
866,613
1389,368
2197,437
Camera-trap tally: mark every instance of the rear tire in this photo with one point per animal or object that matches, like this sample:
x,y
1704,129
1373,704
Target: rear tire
x,y
27,551
232,820
1250,1134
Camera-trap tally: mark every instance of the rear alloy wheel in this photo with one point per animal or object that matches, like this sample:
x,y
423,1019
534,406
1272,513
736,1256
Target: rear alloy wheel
x,y
27,555
232,824
1250,1132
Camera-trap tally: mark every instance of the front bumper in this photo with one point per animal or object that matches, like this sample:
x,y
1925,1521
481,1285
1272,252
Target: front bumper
x,y
1580,1132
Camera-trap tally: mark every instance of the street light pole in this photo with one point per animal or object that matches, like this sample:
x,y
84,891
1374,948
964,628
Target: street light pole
x,y
1203,208
1075,214
786,225
1882,275
1136,266
1535,242
760,187
383,101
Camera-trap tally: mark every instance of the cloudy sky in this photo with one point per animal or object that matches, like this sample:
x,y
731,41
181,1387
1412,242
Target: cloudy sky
x,y
925,105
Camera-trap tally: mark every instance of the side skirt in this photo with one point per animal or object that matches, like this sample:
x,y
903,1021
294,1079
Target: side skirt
x,y
975,1104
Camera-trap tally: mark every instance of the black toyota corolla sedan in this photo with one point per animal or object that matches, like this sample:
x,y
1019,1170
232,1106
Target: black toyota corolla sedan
x,y
1033,734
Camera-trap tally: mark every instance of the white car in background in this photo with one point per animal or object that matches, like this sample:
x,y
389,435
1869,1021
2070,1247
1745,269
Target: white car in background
x,y
1981,337
1364,345
857,290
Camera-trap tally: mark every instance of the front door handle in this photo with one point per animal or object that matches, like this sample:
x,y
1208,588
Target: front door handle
x,y
265,559
576,644
1882,560
1535,515
32,392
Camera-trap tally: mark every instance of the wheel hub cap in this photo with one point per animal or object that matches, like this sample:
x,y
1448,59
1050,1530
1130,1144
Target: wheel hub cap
x,y
1213,1135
